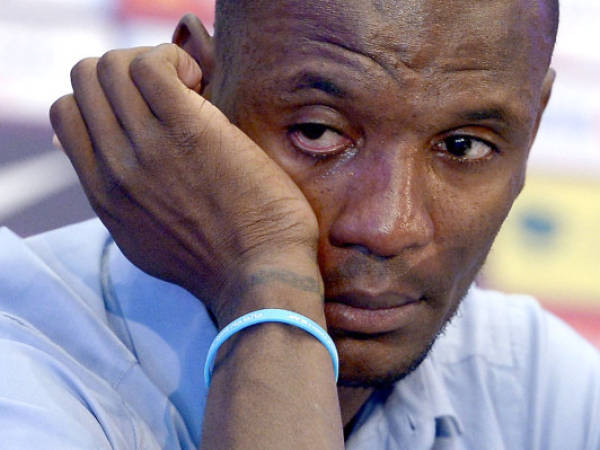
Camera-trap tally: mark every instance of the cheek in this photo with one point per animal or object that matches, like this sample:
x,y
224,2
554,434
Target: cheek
x,y
467,219
323,187
325,197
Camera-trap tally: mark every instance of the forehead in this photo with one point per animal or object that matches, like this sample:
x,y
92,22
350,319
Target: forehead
x,y
424,35
412,52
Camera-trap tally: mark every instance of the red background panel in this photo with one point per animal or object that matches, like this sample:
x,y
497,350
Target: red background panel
x,y
587,323
167,9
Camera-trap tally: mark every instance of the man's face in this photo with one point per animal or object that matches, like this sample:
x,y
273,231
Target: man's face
x,y
407,126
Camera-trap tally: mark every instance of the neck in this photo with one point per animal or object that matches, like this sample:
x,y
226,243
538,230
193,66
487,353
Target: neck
x,y
351,400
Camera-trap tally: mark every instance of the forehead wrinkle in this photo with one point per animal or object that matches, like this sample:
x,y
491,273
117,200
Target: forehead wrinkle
x,y
416,47
402,26
360,36
371,60
325,23
421,42
400,44
486,34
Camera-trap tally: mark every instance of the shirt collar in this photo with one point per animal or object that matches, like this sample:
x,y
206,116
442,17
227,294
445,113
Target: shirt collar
x,y
410,414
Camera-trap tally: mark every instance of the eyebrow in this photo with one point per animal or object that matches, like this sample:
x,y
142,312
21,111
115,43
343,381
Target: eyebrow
x,y
313,81
485,114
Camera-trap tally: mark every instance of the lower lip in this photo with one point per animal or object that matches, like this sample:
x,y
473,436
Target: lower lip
x,y
369,321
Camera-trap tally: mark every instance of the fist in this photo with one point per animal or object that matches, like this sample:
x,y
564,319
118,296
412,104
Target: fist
x,y
187,196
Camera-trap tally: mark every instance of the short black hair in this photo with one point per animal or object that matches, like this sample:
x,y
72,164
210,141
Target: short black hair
x,y
554,9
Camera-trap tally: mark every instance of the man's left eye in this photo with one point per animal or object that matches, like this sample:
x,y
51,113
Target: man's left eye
x,y
318,139
465,147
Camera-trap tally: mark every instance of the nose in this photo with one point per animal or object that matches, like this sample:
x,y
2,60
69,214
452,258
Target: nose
x,y
384,210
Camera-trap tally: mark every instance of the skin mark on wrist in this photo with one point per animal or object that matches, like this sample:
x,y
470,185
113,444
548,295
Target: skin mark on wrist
x,y
301,282
245,294
262,277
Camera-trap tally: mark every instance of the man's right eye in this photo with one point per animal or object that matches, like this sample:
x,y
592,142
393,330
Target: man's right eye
x,y
317,139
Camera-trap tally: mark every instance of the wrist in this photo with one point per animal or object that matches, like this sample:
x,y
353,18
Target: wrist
x,y
294,284
264,316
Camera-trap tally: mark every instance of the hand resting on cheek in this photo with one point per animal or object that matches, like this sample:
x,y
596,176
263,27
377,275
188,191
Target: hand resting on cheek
x,y
187,196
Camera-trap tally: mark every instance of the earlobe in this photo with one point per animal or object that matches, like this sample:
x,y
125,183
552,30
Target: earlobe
x,y
191,35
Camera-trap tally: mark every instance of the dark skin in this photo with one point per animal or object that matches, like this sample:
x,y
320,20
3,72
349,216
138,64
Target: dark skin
x,y
367,155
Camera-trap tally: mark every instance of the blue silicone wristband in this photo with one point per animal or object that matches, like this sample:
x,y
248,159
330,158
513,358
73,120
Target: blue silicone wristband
x,y
269,315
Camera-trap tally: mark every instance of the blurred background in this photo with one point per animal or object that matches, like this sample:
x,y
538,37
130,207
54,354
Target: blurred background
x,y
549,247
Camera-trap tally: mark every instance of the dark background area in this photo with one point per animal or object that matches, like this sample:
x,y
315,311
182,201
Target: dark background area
x,y
21,142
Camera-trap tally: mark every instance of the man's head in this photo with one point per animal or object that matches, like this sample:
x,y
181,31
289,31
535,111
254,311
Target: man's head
x,y
407,125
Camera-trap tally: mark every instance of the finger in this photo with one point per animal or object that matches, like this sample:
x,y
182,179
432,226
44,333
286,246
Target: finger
x,y
128,105
107,136
72,134
168,79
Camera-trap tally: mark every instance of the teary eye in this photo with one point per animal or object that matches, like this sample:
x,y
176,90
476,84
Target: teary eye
x,y
318,139
465,147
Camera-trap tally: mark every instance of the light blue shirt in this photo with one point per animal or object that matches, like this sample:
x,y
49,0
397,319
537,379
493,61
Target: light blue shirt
x,y
95,354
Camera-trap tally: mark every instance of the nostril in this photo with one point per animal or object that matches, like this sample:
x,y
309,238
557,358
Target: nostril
x,y
385,238
363,249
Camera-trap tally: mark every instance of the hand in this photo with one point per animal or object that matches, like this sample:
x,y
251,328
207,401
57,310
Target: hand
x,y
187,196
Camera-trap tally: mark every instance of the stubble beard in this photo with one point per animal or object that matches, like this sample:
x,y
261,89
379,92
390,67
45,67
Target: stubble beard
x,y
387,380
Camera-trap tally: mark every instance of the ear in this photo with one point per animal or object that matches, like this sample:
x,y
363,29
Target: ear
x,y
191,35
544,98
547,88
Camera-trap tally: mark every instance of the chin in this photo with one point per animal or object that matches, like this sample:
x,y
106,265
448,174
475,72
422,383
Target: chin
x,y
380,361
382,380
364,365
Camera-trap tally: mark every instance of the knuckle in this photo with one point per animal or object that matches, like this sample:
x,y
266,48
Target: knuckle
x,y
148,61
58,107
61,108
100,203
81,71
108,62
112,57
117,182
141,65
166,51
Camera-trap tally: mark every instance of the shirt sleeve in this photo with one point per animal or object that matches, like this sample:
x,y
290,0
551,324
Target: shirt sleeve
x,y
45,404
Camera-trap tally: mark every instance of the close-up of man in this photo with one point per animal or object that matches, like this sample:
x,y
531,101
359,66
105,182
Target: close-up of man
x,y
312,190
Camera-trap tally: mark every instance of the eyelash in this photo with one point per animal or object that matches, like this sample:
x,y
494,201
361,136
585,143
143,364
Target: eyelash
x,y
463,160
305,128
